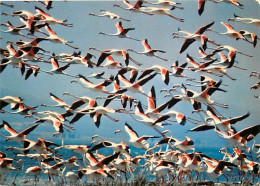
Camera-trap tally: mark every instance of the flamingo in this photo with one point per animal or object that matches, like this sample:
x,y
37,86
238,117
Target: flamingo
x,y
48,19
22,109
245,20
14,58
47,3
51,170
56,69
93,173
57,124
6,166
204,55
25,13
222,124
89,85
177,70
112,64
240,139
204,97
121,32
135,140
32,43
116,52
147,120
104,162
191,37
6,100
250,35
52,113
53,37
5,4
40,146
158,69
72,176
80,149
231,32
77,59
196,66
148,51
255,74
96,113
166,3
117,147
35,171
256,86
152,109
134,87
18,137
186,144
233,2
161,11
80,101
215,171
133,8
60,102
109,14
201,5
12,30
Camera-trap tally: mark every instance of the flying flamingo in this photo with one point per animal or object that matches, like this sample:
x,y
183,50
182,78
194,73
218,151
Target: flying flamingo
x,y
53,37
245,20
18,137
222,124
133,8
40,146
166,3
47,3
240,139
117,147
134,87
12,30
196,66
201,5
96,113
94,87
108,14
80,101
56,69
161,11
48,19
191,37
148,51
177,70
135,140
158,69
215,171
147,120
250,35
60,102
233,2
121,32
6,100
116,52
231,32
5,4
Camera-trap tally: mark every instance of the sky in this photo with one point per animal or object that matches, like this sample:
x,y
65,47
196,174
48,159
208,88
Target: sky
x,y
158,30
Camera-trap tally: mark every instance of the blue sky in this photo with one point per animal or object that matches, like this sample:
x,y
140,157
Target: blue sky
x,y
158,30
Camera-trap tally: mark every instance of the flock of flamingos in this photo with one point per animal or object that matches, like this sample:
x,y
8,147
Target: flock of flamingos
x,y
169,160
